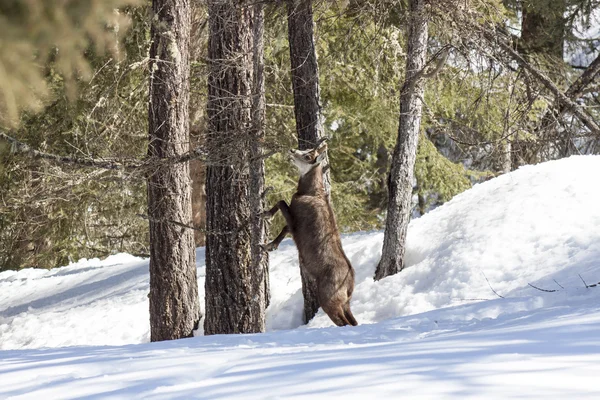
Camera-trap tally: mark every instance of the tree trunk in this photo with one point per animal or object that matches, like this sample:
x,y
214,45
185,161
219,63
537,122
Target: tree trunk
x,y
543,35
543,27
403,159
307,107
260,234
198,41
174,303
236,267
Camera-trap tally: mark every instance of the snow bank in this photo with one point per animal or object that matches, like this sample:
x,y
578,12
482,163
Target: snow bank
x,y
538,225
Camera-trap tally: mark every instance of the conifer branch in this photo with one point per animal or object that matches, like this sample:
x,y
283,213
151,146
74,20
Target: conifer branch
x,y
23,148
130,165
562,98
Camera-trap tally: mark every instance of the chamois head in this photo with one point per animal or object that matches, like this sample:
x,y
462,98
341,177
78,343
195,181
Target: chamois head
x,y
306,160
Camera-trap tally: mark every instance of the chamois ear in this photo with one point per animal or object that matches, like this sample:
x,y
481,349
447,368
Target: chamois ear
x,y
322,144
321,157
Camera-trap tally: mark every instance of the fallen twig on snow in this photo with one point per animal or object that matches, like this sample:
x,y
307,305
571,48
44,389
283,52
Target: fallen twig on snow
x,y
543,290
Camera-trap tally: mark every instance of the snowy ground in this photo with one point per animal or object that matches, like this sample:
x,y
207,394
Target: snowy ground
x,y
437,330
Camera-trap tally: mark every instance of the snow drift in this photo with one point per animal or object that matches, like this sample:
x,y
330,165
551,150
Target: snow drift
x,y
461,321
538,225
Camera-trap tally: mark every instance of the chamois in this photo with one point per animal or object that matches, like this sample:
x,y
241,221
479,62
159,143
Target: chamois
x,y
310,220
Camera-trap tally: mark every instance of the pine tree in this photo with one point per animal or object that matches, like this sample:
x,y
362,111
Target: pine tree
x,y
236,266
307,107
405,152
174,302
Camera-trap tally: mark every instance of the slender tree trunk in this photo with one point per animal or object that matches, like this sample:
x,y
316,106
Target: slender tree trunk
x,y
236,268
198,41
307,107
260,258
403,159
174,303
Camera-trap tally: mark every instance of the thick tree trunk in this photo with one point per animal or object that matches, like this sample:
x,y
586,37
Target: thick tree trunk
x,y
174,303
236,267
307,107
403,159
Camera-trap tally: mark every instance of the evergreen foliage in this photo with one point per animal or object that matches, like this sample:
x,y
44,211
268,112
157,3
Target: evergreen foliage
x,y
53,214
37,33
72,83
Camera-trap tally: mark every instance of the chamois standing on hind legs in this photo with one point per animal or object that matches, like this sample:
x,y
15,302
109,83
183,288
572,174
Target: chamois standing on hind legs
x,y
310,220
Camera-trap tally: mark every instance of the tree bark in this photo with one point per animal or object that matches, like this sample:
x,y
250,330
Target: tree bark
x,y
236,267
174,303
198,42
403,159
307,108
260,234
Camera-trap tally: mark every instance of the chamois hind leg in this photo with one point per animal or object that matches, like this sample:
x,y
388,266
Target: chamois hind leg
x,y
336,314
275,243
348,314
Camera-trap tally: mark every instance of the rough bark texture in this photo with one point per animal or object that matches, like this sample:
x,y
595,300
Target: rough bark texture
x,y
174,303
260,258
307,107
403,159
198,40
236,267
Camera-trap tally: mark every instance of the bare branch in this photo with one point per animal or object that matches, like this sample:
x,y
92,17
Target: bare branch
x,y
20,147
580,277
442,57
562,99
490,285
543,290
130,165
585,79
182,225
555,281
576,90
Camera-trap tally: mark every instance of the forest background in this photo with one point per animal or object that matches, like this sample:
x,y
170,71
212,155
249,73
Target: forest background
x,y
482,115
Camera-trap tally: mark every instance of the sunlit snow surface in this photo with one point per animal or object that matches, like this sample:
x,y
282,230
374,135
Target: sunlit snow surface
x,y
436,330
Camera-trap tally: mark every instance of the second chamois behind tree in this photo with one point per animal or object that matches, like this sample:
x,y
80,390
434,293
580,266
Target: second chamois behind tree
x,y
310,220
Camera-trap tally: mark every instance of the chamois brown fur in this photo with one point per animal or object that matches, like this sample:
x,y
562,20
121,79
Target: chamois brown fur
x,y
311,222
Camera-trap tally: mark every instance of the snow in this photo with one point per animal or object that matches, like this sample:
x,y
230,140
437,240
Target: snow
x,y
437,330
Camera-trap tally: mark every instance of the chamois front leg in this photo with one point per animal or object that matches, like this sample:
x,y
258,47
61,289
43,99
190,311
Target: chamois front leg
x,y
285,211
275,243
